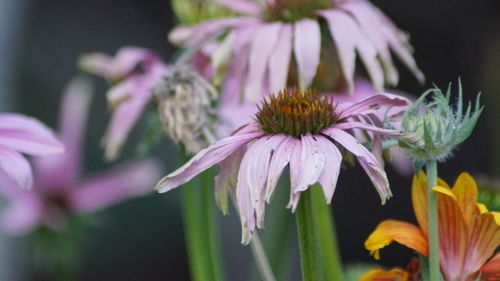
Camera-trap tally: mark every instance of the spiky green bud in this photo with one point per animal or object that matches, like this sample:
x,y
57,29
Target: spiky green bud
x,y
431,130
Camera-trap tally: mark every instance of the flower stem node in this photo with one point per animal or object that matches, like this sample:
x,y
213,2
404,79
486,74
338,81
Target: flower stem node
x,y
431,130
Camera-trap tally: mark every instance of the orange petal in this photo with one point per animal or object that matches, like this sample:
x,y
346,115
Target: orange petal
x,y
465,190
491,270
395,274
401,232
452,234
419,199
484,238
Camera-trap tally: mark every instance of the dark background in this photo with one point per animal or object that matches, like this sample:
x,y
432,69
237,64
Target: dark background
x,y
142,239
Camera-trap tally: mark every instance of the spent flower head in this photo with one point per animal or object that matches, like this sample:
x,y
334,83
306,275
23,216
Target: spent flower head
x,y
185,106
433,129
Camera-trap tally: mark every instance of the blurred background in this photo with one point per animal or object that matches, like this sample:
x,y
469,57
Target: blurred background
x,y
40,42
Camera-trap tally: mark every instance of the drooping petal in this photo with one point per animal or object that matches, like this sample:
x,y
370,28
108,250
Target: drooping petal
x,y
209,27
365,158
128,181
227,177
403,233
333,163
72,125
205,159
373,103
368,127
22,215
307,47
261,49
16,167
245,203
279,61
280,159
242,6
306,165
27,135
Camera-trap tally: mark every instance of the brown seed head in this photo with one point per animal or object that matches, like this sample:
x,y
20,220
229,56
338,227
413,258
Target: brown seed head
x,y
296,113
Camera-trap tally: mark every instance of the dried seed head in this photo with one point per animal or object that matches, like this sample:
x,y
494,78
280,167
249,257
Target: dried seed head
x,y
295,113
185,107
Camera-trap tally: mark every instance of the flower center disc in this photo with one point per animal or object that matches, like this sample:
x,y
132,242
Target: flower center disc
x,y
296,114
294,10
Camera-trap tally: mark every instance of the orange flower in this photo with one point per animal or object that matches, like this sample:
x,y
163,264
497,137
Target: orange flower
x,y
468,233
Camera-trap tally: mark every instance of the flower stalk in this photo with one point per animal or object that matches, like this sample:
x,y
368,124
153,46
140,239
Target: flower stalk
x,y
431,167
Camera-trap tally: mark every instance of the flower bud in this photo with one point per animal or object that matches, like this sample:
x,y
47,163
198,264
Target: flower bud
x,y
431,130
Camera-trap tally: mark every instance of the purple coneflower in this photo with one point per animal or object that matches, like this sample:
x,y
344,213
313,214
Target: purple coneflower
x,y
306,132
271,32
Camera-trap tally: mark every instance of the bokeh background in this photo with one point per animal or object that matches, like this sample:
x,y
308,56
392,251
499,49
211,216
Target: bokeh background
x,y
40,41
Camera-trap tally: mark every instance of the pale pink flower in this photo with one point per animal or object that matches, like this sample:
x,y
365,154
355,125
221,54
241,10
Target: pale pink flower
x,y
133,73
21,134
58,190
302,131
272,32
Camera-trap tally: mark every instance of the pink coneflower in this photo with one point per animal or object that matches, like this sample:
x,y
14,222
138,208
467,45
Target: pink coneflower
x,y
304,131
21,134
59,191
133,73
271,32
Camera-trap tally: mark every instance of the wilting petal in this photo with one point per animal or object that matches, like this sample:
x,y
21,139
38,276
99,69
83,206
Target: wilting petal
x,y
245,203
227,178
280,159
205,159
207,28
131,180
27,135
16,167
453,240
279,61
72,125
402,232
242,6
262,46
368,127
365,158
395,274
333,163
307,47
491,270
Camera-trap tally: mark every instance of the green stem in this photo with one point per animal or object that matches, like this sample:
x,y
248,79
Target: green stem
x,y
306,238
260,257
319,253
431,167
200,230
326,237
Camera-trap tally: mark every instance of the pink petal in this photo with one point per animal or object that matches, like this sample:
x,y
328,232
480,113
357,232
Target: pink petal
x,y
245,203
261,49
365,158
401,162
22,215
333,162
205,159
180,34
206,28
281,158
242,6
227,178
279,61
131,180
27,135
366,127
96,63
307,47
16,167
374,103
306,165
72,125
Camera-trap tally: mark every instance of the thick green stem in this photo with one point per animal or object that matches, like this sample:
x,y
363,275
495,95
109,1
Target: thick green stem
x,y
306,238
435,275
200,230
319,253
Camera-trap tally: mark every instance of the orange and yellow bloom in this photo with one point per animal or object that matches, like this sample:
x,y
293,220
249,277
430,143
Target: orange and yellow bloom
x,y
469,234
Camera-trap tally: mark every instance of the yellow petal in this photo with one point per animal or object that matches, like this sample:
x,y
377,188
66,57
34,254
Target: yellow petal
x,y
396,274
482,208
402,232
496,215
484,239
465,190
